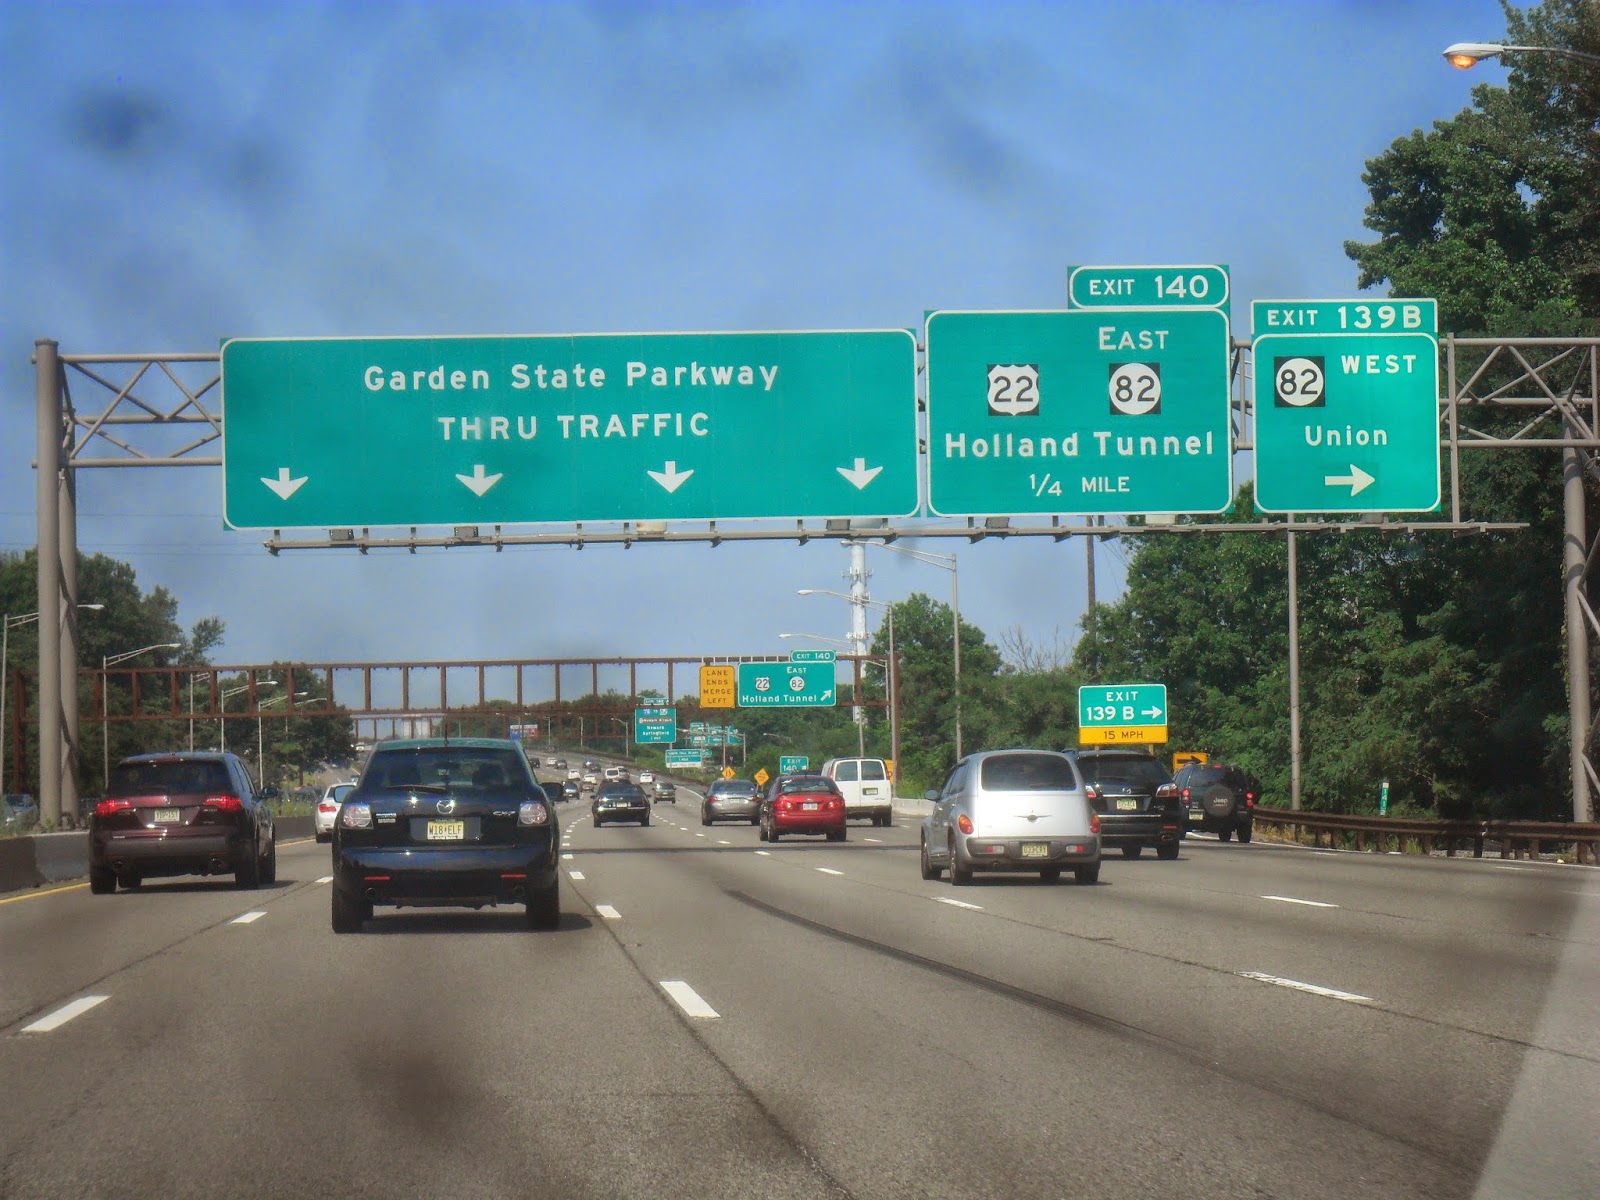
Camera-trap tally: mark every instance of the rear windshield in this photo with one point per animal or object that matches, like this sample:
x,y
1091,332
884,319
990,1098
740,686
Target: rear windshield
x,y
624,791
872,768
733,787
1205,775
175,778
806,783
1028,773
452,766
1131,769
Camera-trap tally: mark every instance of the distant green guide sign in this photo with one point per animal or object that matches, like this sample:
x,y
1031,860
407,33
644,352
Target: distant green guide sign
x,y
655,725
1092,411
1346,405
789,764
1148,287
685,758
326,432
786,685
819,656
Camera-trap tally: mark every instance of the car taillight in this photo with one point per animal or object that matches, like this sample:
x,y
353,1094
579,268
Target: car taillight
x,y
1091,791
106,807
531,812
1186,795
1249,799
224,803
964,823
356,816
328,806
1167,791
1094,822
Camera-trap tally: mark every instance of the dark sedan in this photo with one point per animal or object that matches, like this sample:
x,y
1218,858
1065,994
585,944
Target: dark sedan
x,y
731,800
620,802
457,823
184,813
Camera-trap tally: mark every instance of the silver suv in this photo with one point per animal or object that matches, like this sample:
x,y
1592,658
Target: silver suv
x,y
1012,810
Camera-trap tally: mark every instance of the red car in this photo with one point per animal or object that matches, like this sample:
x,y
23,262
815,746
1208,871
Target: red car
x,y
802,804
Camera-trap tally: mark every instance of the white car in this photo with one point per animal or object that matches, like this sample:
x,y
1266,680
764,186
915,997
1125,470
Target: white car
x,y
646,778
328,808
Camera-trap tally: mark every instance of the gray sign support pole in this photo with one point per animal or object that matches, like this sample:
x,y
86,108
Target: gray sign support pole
x,y
67,530
1574,541
1294,673
47,404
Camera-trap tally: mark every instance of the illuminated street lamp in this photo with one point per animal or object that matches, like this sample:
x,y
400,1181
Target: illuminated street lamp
x,y
1466,55
7,624
111,660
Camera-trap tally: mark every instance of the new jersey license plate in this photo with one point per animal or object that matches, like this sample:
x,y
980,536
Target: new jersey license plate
x,y
447,831
1127,806
1035,849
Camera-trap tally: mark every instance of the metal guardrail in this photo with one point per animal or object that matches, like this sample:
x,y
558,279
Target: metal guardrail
x,y
1515,839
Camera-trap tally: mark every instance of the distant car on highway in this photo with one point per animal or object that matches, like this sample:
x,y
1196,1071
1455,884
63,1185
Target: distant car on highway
x,y
614,774
646,777
1012,810
561,764
446,823
663,791
591,780
328,809
184,813
1218,798
620,802
569,789
18,810
803,804
731,800
1136,799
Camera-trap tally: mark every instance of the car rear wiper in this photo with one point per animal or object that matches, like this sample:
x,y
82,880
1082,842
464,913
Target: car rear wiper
x,y
442,789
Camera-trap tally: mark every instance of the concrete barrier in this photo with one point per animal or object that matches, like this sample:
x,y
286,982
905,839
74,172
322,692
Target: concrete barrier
x,y
49,858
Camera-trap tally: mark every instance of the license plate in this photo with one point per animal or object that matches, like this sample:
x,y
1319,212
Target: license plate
x,y
1035,849
866,791
809,806
1127,806
447,831
1197,816
167,816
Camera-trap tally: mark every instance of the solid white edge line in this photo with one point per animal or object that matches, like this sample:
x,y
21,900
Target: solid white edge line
x,y
829,871
64,1014
1294,900
578,875
951,900
609,913
1331,993
247,918
686,998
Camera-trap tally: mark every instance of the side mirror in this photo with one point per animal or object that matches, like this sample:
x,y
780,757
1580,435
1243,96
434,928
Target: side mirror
x,y
269,793
931,794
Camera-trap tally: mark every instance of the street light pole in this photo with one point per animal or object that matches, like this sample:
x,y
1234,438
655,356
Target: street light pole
x,y
890,668
7,623
1466,55
261,751
946,562
107,662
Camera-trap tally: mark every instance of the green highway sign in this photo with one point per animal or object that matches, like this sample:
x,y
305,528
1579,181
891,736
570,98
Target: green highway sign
x,y
790,764
786,685
685,758
1147,287
655,725
1346,406
586,427
1092,411
1122,712
817,656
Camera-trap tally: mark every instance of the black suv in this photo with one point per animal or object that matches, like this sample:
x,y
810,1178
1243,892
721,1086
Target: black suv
x,y
1136,800
1220,799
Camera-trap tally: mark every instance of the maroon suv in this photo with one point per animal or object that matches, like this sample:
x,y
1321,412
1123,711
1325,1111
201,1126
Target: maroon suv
x,y
184,813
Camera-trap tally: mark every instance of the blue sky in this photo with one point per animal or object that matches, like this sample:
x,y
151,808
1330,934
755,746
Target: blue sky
x,y
177,174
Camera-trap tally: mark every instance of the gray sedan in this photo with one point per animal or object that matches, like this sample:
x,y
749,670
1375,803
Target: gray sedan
x,y
731,800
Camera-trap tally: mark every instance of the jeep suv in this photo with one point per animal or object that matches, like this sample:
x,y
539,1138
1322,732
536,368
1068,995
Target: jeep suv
x,y
1219,799
1135,798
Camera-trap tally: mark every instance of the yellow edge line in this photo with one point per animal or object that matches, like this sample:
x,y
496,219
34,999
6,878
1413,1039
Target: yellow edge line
x,y
71,887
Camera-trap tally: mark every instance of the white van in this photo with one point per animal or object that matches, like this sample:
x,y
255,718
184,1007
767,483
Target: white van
x,y
865,785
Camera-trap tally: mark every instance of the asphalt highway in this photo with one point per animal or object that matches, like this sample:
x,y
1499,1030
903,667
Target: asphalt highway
x,y
720,1018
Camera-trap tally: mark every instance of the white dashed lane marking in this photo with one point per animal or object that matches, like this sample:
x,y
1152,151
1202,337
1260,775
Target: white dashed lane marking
x,y
829,871
724,842
64,1014
688,999
578,875
951,900
609,913
247,918
326,879
1295,900
876,841
764,853
1331,993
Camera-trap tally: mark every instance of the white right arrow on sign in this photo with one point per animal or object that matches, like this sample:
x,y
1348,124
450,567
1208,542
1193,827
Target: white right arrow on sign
x,y
860,474
1357,481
